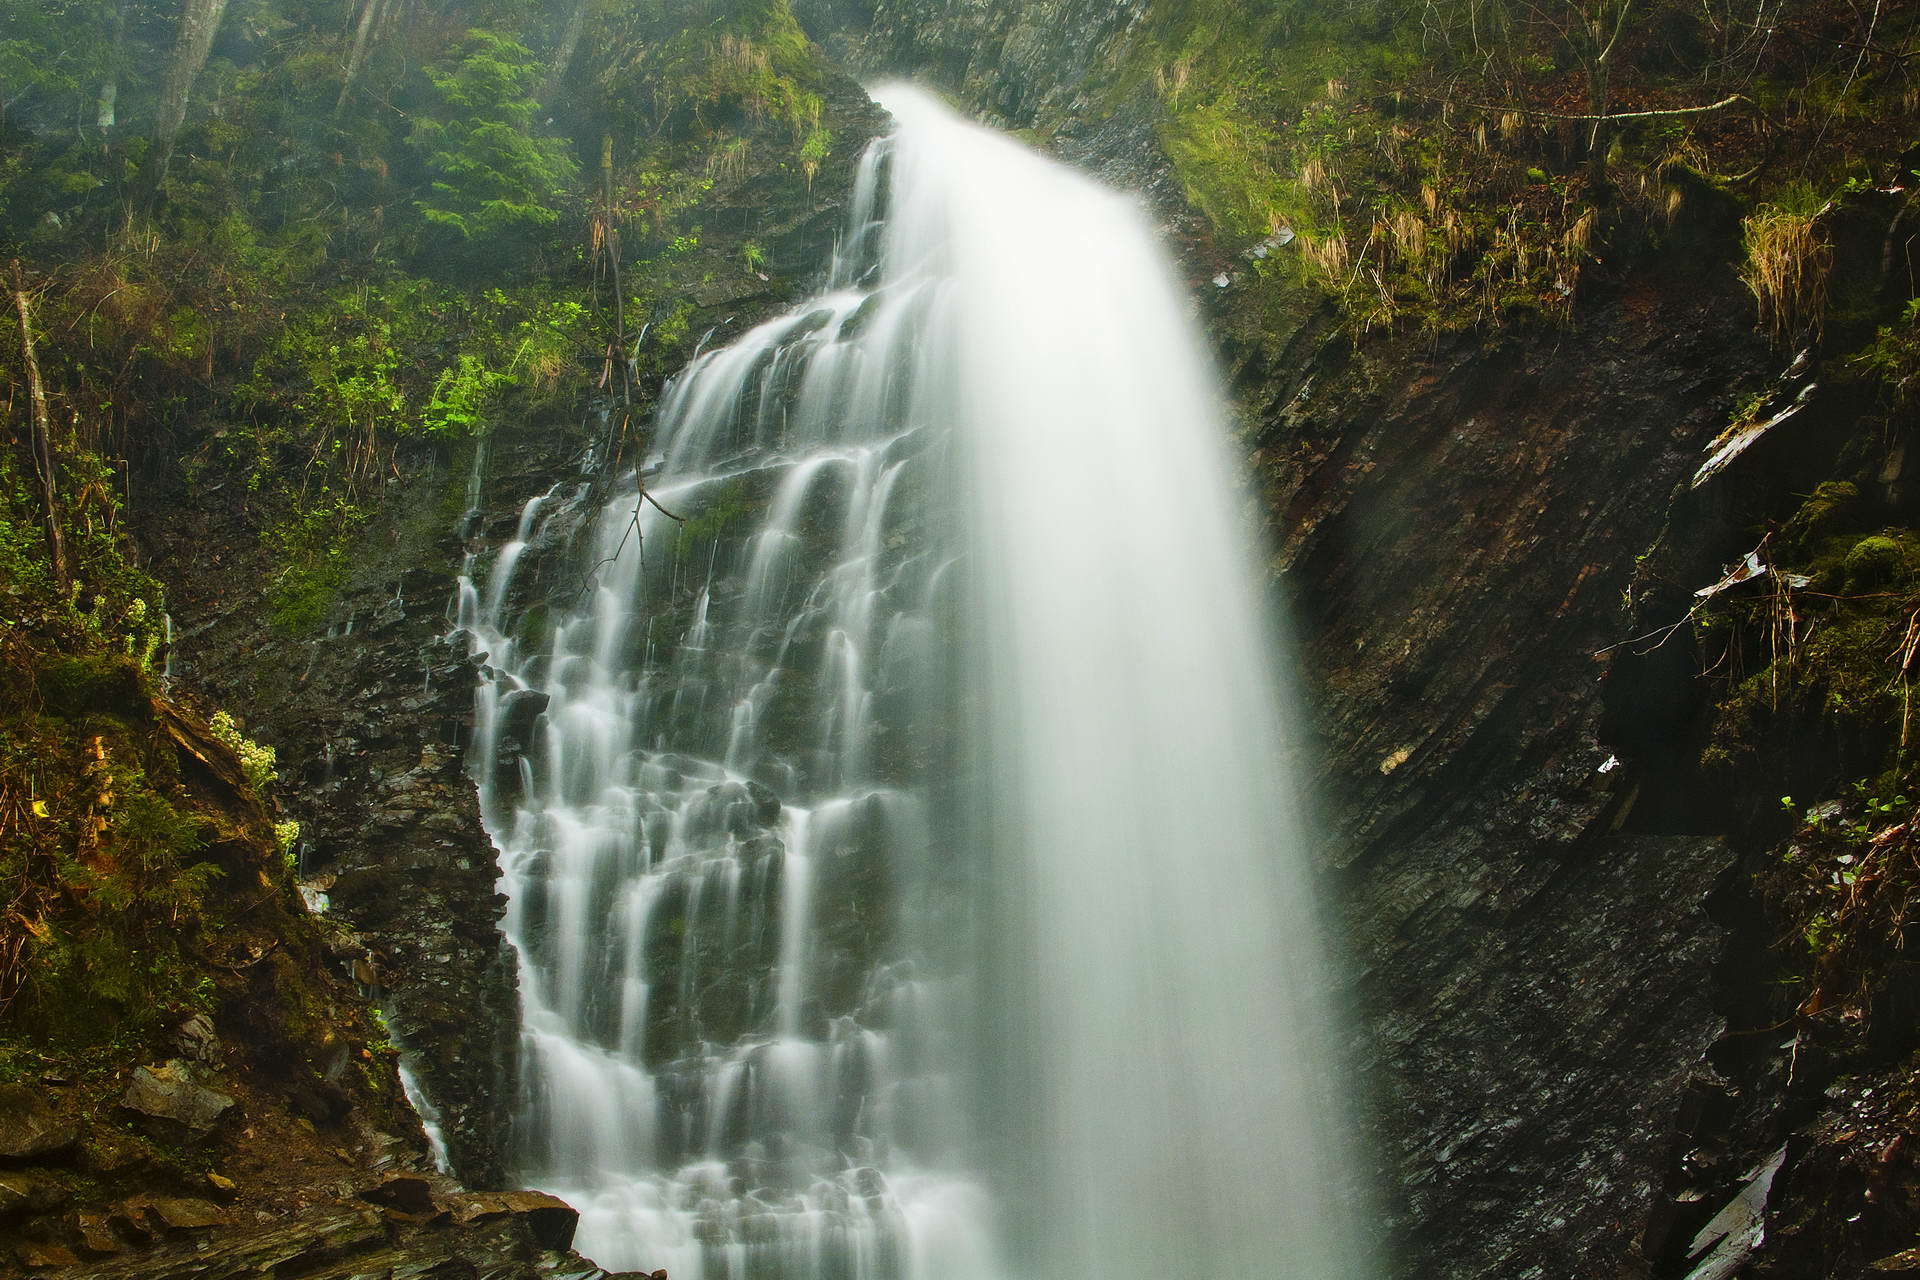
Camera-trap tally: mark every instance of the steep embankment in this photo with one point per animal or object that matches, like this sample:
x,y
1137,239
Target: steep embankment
x,y
191,1080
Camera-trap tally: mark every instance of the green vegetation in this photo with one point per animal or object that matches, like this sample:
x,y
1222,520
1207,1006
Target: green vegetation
x,y
344,242
106,866
1456,163
1813,675
1789,261
491,174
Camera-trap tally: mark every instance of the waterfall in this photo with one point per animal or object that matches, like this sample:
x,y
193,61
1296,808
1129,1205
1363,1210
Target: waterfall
x,y
903,861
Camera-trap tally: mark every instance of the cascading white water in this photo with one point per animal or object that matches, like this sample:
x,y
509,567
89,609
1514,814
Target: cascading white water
x,y
904,866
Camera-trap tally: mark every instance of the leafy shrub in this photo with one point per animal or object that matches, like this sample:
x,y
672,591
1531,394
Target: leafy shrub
x,y
256,760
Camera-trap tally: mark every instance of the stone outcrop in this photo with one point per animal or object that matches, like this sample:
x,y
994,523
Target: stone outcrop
x,y
1533,949
519,1235
369,721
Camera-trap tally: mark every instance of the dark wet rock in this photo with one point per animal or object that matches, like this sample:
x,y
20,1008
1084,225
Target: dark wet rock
x,y
129,1223
197,1040
766,805
548,1219
410,1225
518,711
409,1193
22,1193
34,1126
181,1213
96,1238
1528,929
40,1258
169,1097
519,1235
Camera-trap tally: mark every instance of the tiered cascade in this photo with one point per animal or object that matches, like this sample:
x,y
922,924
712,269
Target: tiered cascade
x,y
904,868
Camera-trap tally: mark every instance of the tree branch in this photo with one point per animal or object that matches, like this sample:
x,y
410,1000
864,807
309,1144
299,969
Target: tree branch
x,y
1725,102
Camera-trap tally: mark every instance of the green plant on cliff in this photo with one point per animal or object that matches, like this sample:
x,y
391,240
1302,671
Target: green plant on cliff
x,y
102,869
311,550
1477,162
1813,678
256,760
494,177
1893,357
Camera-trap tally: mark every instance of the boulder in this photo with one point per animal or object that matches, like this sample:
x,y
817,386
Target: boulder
x,y
96,1237
197,1040
549,1219
168,1095
41,1257
407,1192
183,1213
33,1125
518,711
766,803
20,1194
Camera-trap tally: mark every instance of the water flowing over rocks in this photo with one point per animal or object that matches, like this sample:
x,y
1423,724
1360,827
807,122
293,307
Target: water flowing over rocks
x,y
768,981
1538,919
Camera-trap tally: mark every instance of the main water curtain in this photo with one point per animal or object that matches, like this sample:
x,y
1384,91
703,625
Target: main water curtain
x,y
902,863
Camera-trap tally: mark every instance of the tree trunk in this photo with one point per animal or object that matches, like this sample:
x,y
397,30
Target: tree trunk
x,y
371,13
563,52
105,113
198,26
40,435
1597,141
1602,32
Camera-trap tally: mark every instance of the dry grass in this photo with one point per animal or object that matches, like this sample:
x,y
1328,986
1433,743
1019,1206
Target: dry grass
x,y
727,163
1789,265
1328,255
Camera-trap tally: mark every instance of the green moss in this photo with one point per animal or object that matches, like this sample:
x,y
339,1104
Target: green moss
x,y
723,513
1827,511
1881,561
311,551
109,683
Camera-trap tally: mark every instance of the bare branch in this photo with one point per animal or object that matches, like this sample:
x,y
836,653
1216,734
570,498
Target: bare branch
x,y
1725,102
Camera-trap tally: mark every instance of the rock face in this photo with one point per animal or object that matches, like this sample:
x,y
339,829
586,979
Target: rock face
x,y
1534,952
519,1235
1017,62
369,720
